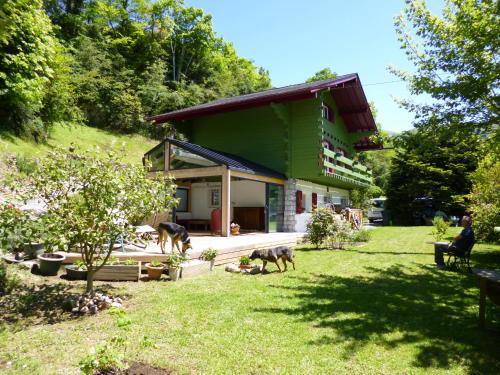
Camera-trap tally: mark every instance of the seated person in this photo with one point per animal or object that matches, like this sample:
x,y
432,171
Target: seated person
x,y
460,243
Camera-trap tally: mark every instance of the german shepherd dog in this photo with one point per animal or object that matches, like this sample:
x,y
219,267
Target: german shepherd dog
x,y
176,233
272,255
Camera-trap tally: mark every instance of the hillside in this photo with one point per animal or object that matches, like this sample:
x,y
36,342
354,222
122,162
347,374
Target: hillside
x,y
85,137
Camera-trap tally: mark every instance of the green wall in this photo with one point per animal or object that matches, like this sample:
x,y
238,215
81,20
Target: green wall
x,y
257,134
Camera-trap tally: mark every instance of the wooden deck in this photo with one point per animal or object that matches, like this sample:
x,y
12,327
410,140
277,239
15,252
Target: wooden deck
x,y
230,248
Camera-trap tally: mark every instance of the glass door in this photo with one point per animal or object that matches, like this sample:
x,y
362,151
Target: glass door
x,y
275,208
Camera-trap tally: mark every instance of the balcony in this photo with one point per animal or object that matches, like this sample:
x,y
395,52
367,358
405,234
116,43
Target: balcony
x,y
345,169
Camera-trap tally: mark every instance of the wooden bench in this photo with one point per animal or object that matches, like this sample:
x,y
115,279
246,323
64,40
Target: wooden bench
x,y
196,223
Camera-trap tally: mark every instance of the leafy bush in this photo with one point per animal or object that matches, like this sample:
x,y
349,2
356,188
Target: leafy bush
x,y
175,260
17,228
362,235
106,358
485,199
341,233
245,260
440,228
319,228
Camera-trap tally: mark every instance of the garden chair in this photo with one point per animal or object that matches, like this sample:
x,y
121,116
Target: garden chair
x,y
459,261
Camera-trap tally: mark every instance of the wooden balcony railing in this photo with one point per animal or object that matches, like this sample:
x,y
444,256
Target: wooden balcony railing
x,y
348,169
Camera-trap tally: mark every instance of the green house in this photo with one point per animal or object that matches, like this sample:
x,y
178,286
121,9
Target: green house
x,y
266,160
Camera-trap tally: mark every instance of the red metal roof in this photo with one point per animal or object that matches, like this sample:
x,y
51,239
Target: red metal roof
x,y
346,90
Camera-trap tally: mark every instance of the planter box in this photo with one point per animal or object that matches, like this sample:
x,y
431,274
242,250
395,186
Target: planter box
x,y
119,272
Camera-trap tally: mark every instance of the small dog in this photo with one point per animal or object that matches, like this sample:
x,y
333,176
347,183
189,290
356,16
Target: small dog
x,y
176,233
272,255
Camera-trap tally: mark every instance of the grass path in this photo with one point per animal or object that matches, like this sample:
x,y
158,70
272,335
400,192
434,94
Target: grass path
x,y
375,309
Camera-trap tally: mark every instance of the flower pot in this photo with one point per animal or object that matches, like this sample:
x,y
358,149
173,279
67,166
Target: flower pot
x,y
212,264
154,273
174,273
50,263
245,266
74,273
235,232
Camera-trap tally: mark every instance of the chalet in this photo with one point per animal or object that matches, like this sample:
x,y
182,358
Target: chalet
x,y
266,160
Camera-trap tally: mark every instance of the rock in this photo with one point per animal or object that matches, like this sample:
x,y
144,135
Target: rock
x,y
93,310
255,270
116,304
231,267
84,310
69,304
75,310
119,300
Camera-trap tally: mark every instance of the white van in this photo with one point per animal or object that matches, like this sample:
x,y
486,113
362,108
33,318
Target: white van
x,y
376,211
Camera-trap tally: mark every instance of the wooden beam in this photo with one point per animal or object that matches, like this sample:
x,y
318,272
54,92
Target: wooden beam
x,y
196,172
226,203
249,176
166,155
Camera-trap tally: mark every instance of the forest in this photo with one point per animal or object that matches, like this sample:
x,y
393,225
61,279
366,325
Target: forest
x,y
111,63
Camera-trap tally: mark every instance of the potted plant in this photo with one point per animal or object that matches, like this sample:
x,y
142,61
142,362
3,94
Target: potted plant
x,y
209,255
155,269
119,270
50,263
245,262
174,262
76,271
235,229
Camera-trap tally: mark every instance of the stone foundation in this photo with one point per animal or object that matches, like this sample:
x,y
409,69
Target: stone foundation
x,y
290,205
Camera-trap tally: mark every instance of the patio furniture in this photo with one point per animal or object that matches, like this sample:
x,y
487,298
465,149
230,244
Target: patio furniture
x,y
198,223
460,260
489,285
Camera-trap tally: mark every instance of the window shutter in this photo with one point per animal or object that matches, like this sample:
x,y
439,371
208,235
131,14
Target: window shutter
x,y
314,200
298,202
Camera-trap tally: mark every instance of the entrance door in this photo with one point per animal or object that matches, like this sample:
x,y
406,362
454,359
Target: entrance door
x,y
275,208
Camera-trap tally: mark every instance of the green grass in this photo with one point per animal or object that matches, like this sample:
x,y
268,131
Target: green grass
x,y
380,308
84,136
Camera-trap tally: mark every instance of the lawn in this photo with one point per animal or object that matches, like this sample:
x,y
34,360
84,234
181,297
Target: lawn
x,y
380,308
84,136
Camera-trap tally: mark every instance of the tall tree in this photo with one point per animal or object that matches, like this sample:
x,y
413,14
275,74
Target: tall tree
x,y
456,61
322,74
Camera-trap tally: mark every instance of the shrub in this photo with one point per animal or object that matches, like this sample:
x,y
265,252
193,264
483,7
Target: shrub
x,y
362,235
106,358
341,233
319,228
440,228
175,260
245,260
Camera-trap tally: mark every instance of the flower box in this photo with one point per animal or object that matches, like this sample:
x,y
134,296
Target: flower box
x,y
119,272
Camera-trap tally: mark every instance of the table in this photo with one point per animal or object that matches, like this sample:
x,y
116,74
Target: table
x,y
489,285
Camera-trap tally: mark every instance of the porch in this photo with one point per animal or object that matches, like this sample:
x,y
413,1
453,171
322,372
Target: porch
x,y
230,249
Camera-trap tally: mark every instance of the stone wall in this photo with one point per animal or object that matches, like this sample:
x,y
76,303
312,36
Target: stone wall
x,y
289,217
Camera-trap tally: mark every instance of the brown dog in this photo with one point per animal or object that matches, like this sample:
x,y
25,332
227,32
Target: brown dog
x,y
177,233
272,255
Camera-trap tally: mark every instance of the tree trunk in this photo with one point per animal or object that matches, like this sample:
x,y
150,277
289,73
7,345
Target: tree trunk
x,y
90,280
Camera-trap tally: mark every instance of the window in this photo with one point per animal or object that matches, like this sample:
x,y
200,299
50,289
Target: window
x,y
326,112
298,202
183,195
182,159
156,158
214,198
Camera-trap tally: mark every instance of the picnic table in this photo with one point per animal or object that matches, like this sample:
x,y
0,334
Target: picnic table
x,y
489,285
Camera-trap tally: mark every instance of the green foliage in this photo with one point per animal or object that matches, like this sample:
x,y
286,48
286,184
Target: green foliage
x,y
432,162
105,358
156,263
341,233
362,235
33,75
209,254
25,164
92,199
456,61
485,197
80,265
319,228
440,228
8,280
322,74
175,260
245,260
18,228
361,196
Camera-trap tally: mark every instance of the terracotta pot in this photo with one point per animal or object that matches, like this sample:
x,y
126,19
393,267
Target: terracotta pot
x,y
246,266
154,273
235,232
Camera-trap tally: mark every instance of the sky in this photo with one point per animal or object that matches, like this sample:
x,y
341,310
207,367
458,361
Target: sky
x,y
293,39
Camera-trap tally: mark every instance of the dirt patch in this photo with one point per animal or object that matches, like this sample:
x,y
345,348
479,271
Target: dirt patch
x,y
138,368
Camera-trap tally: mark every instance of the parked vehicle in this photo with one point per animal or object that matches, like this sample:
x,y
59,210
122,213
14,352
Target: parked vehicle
x,y
376,211
424,211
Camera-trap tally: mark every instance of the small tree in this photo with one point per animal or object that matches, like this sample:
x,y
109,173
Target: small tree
x,y
319,228
92,199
